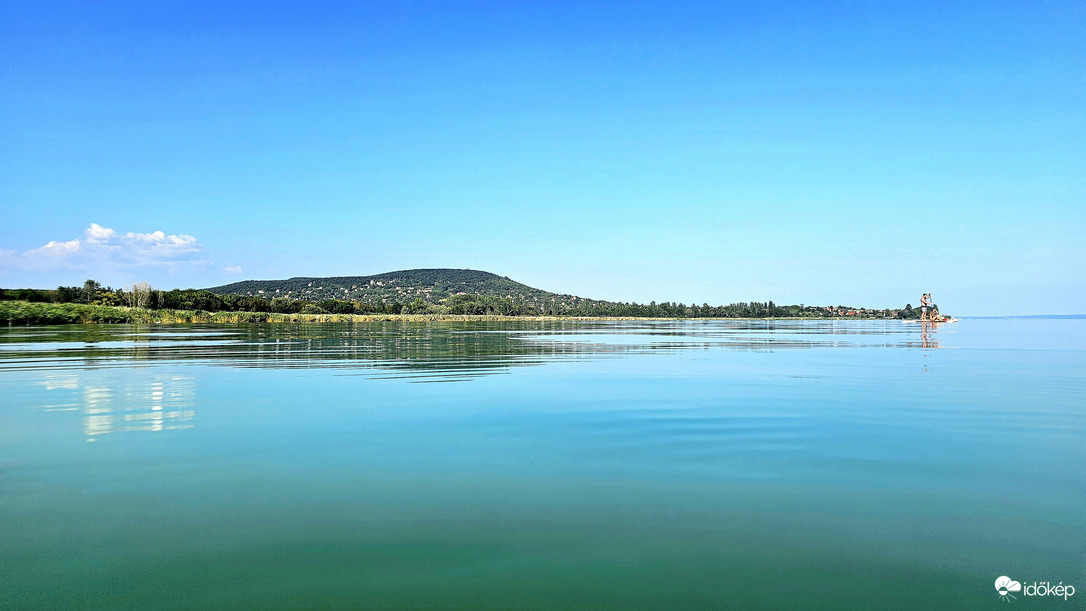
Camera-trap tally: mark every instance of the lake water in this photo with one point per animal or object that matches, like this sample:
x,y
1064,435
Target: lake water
x,y
748,464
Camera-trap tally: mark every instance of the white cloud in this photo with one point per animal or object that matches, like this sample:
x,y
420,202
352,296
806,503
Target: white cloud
x,y
97,233
102,247
232,269
56,249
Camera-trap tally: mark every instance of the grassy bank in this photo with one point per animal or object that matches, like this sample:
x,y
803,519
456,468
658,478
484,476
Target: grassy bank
x,y
27,313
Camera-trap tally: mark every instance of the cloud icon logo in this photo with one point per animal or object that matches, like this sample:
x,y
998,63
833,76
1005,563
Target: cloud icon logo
x,y
1005,585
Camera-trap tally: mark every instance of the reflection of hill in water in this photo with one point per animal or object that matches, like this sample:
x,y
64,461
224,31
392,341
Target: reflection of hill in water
x,y
430,350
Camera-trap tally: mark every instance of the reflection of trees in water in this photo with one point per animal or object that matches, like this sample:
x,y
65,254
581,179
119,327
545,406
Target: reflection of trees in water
x,y
428,349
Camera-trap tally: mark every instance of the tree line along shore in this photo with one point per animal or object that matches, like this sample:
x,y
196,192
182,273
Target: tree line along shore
x,y
140,303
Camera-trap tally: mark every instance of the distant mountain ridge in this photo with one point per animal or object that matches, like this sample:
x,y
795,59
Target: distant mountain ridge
x,y
430,285
469,291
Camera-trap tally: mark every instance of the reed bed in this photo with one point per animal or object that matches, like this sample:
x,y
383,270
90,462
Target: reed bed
x,y
28,313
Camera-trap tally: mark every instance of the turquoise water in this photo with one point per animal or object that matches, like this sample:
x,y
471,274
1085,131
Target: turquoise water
x,y
697,464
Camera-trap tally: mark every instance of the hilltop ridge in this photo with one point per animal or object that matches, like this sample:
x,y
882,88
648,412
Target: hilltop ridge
x,y
431,285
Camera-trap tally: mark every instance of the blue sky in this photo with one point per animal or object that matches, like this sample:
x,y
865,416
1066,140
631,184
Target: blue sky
x,y
709,152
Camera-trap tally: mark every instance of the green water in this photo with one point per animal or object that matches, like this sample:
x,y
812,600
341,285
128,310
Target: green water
x,y
724,464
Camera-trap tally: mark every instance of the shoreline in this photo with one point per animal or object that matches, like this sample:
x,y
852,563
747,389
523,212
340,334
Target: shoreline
x,y
23,313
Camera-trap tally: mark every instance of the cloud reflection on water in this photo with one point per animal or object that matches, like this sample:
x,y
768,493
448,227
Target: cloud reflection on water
x,y
150,402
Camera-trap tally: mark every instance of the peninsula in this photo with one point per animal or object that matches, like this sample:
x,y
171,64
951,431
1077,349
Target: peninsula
x,y
458,294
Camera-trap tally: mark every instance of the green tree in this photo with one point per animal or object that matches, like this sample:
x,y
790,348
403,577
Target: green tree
x,y
418,306
90,291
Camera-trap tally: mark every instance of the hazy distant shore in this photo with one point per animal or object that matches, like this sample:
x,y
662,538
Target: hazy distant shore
x,y
28,313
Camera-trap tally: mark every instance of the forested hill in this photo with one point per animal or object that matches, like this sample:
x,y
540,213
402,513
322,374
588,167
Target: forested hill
x,y
430,285
413,291
462,291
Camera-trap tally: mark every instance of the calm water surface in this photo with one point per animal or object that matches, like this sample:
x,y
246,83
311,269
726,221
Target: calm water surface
x,y
866,464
